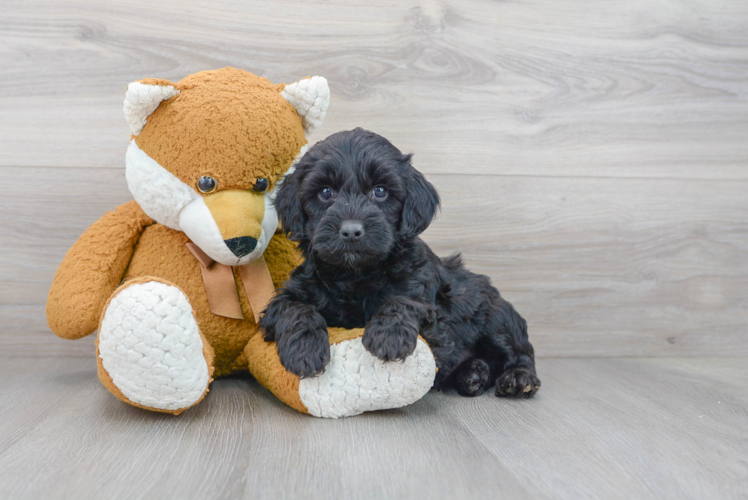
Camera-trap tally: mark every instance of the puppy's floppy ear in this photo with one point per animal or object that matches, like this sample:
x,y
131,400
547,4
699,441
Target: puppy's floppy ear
x,y
288,205
421,203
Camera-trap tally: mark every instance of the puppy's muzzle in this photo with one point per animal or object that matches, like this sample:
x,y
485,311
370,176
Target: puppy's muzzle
x,y
351,231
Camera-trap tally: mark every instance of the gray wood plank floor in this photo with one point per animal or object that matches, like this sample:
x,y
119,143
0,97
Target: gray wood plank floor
x,y
613,428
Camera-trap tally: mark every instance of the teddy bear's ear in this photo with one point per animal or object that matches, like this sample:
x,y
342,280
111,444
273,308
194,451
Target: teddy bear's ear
x,y
142,99
310,97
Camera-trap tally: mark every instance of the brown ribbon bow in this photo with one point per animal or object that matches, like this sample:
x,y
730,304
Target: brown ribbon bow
x,y
221,288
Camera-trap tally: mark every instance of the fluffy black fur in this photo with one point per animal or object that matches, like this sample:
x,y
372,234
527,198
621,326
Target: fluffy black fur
x,y
366,267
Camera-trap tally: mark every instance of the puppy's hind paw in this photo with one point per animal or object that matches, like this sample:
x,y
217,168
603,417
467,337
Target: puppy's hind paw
x,y
517,383
472,378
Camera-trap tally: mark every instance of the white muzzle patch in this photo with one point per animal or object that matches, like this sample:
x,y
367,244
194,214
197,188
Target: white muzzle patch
x,y
160,194
198,224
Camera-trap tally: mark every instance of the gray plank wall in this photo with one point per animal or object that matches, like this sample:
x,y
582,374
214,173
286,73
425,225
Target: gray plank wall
x,y
591,155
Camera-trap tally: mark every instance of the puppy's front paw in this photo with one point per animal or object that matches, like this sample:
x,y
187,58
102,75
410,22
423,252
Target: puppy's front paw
x,y
517,383
306,351
389,340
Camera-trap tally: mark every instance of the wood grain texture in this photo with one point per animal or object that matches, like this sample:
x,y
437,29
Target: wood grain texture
x,y
591,157
562,88
598,266
624,428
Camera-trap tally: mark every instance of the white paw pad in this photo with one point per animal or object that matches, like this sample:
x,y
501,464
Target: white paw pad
x,y
355,381
150,345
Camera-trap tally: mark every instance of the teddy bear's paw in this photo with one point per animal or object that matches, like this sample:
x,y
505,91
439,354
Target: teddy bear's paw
x,y
355,381
151,349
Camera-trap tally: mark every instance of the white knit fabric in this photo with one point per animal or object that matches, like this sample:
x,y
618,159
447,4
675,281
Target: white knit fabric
x,y
355,381
311,98
141,100
150,346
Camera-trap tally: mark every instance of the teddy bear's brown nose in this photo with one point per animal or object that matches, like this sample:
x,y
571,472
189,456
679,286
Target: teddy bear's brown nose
x,y
241,246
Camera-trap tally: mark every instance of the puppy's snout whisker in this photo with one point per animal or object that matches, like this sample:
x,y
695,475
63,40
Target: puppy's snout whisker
x,y
351,230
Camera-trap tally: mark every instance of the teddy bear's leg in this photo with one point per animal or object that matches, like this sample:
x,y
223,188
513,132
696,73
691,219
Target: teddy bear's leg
x,y
353,382
150,351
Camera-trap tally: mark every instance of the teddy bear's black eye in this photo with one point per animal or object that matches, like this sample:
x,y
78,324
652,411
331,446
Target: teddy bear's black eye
x,y
325,194
380,192
261,185
206,184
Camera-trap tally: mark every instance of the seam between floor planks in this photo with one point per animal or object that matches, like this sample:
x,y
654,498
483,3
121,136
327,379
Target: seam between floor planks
x,y
447,174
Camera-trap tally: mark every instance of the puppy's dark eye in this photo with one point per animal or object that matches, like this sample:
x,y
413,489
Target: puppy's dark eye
x,y
206,184
261,185
325,194
380,192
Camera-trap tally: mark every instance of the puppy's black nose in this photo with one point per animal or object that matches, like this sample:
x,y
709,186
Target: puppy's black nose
x,y
241,246
351,230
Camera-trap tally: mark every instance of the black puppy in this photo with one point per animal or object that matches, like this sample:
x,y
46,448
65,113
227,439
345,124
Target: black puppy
x,y
356,206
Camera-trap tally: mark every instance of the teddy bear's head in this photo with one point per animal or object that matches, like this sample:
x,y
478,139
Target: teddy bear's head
x,y
208,153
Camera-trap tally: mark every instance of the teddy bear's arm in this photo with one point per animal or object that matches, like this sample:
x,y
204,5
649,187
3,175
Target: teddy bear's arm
x,y
92,269
282,257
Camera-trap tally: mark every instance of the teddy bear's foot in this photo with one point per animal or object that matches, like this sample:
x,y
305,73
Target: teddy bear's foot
x,y
150,351
354,381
